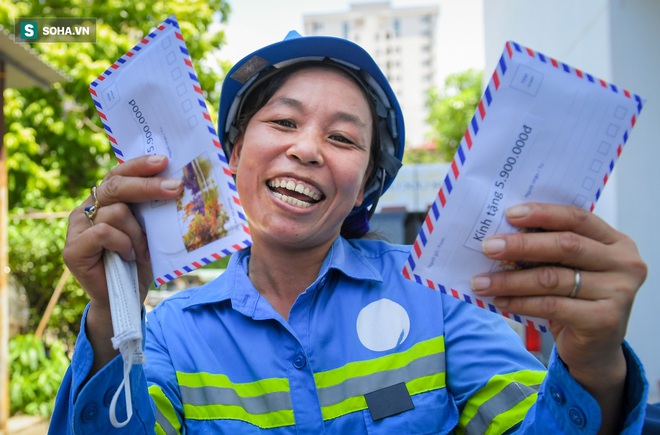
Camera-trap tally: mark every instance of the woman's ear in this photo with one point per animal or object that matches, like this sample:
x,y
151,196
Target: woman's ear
x,y
236,155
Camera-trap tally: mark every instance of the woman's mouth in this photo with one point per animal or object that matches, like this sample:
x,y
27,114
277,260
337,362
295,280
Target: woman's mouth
x,y
294,192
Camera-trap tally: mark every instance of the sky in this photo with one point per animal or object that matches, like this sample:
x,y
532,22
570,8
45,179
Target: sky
x,y
255,23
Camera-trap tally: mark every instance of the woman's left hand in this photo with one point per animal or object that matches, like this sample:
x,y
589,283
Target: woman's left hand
x,y
590,326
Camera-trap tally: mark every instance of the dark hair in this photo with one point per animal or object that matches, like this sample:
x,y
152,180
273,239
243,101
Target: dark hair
x,y
271,82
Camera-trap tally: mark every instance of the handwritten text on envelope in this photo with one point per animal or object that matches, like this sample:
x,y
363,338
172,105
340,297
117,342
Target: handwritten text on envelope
x,y
150,102
543,132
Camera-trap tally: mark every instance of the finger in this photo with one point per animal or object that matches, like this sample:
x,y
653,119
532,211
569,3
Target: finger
x,y
601,316
118,216
142,166
544,281
135,181
103,236
84,249
84,257
83,254
121,217
564,248
555,217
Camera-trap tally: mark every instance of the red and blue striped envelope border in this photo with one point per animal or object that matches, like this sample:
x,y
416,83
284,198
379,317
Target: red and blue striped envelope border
x,y
511,51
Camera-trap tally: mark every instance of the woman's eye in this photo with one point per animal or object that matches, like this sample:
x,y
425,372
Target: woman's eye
x,y
285,123
340,138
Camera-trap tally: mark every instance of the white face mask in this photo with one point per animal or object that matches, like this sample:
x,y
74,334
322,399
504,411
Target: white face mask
x,y
125,307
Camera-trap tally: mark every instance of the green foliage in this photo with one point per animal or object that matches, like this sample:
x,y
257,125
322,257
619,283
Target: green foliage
x,y
36,262
422,155
451,110
36,373
56,146
54,139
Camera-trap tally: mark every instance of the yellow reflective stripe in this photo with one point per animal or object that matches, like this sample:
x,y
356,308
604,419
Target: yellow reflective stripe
x,y
256,388
496,385
265,403
427,383
342,390
233,412
513,416
388,362
352,404
165,411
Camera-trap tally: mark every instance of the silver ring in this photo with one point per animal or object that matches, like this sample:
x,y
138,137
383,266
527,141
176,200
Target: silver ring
x,y
577,285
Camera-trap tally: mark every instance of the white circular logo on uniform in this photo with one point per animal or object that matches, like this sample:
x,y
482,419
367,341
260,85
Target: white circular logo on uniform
x,y
382,325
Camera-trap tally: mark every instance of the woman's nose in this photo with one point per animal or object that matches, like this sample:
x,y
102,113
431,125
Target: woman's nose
x,y
307,149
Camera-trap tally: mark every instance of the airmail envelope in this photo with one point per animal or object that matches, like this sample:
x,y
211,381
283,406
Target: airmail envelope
x,y
542,132
150,102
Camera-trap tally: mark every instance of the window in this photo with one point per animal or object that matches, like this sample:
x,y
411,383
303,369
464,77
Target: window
x,y
396,24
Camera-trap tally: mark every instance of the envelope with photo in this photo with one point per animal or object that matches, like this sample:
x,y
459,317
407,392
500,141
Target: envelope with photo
x,y
150,102
543,132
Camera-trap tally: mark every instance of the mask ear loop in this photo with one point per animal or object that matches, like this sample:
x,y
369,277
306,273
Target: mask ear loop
x,y
126,386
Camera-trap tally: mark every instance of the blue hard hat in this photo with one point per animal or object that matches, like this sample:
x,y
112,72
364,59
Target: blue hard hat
x,y
347,55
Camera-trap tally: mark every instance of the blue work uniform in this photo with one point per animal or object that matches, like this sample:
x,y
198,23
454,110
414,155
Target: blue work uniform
x,y
364,351
652,420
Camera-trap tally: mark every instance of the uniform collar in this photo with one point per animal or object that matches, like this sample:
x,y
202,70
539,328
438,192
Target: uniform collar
x,y
235,285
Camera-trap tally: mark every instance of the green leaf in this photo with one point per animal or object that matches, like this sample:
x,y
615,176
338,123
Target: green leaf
x,y
451,109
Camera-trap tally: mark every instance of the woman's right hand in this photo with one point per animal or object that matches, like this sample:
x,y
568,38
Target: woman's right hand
x,y
114,226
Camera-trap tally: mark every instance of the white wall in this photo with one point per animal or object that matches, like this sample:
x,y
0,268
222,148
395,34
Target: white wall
x,y
616,40
634,40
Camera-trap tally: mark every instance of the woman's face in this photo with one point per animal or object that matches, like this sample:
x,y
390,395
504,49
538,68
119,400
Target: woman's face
x,y
302,162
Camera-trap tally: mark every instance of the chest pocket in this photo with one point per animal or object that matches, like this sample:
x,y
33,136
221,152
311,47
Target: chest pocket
x,y
433,413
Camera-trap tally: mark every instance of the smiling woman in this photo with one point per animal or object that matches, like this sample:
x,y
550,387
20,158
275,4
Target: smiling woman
x,y
314,133
313,328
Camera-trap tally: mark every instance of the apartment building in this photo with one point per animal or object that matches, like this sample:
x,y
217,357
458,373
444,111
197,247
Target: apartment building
x,y
402,41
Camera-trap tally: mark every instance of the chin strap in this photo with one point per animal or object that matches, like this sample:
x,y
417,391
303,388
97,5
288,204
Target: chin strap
x,y
372,210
